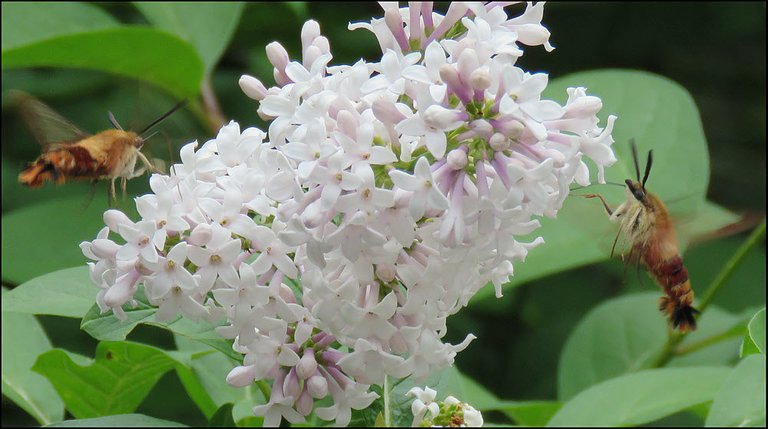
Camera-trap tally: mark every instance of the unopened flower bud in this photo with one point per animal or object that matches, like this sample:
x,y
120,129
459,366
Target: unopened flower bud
x,y
499,142
385,111
104,249
311,54
252,87
305,403
317,386
241,376
480,79
439,117
514,129
307,365
457,159
386,272
291,384
309,31
115,218
322,43
277,55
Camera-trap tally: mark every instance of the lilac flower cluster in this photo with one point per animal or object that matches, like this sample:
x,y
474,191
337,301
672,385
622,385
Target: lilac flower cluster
x,y
382,198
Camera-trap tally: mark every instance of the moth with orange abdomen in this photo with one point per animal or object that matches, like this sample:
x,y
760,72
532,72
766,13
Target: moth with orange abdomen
x,y
72,154
646,225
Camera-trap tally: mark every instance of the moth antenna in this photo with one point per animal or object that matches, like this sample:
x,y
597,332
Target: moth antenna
x,y
648,167
150,136
634,158
178,106
114,122
578,188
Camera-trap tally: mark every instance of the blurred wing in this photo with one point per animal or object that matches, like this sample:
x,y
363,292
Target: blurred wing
x,y
48,127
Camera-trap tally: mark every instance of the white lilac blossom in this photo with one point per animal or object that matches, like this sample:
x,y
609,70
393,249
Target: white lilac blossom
x,y
449,412
384,195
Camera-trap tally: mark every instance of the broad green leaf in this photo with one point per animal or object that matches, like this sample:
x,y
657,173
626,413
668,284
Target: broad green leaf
x,y
206,26
29,22
116,382
50,232
660,115
714,323
754,338
619,336
23,341
120,420
68,292
530,413
107,327
643,397
142,53
222,417
741,399
210,370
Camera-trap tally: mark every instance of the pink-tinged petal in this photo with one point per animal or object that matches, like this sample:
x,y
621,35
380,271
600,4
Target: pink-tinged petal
x,y
287,357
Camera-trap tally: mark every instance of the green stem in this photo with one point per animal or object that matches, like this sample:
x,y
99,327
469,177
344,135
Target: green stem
x,y
387,416
706,342
265,390
670,349
730,266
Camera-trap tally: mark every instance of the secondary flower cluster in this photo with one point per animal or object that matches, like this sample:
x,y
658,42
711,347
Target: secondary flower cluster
x,y
383,197
447,413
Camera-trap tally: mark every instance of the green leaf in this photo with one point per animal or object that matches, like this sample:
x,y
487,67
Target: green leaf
x,y
196,391
619,336
116,382
660,115
68,292
142,53
640,398
54,229
120,420
530,413
206,26
222,417
107,327
715,323
741,399
25,23
754,338
23,341
210,370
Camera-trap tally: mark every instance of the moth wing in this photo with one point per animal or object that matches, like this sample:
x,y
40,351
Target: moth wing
x,y
49,128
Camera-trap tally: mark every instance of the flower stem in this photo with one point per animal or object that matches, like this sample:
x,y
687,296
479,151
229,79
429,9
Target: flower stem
x,y
670,349
706,342
387,414
265,390
730,266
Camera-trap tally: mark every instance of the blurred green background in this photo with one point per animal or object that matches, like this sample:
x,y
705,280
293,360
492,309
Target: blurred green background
x,y
715,50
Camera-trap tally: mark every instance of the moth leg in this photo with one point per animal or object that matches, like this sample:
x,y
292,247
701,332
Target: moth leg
x,y
605,204
112,193
91,194
123,185
148,164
